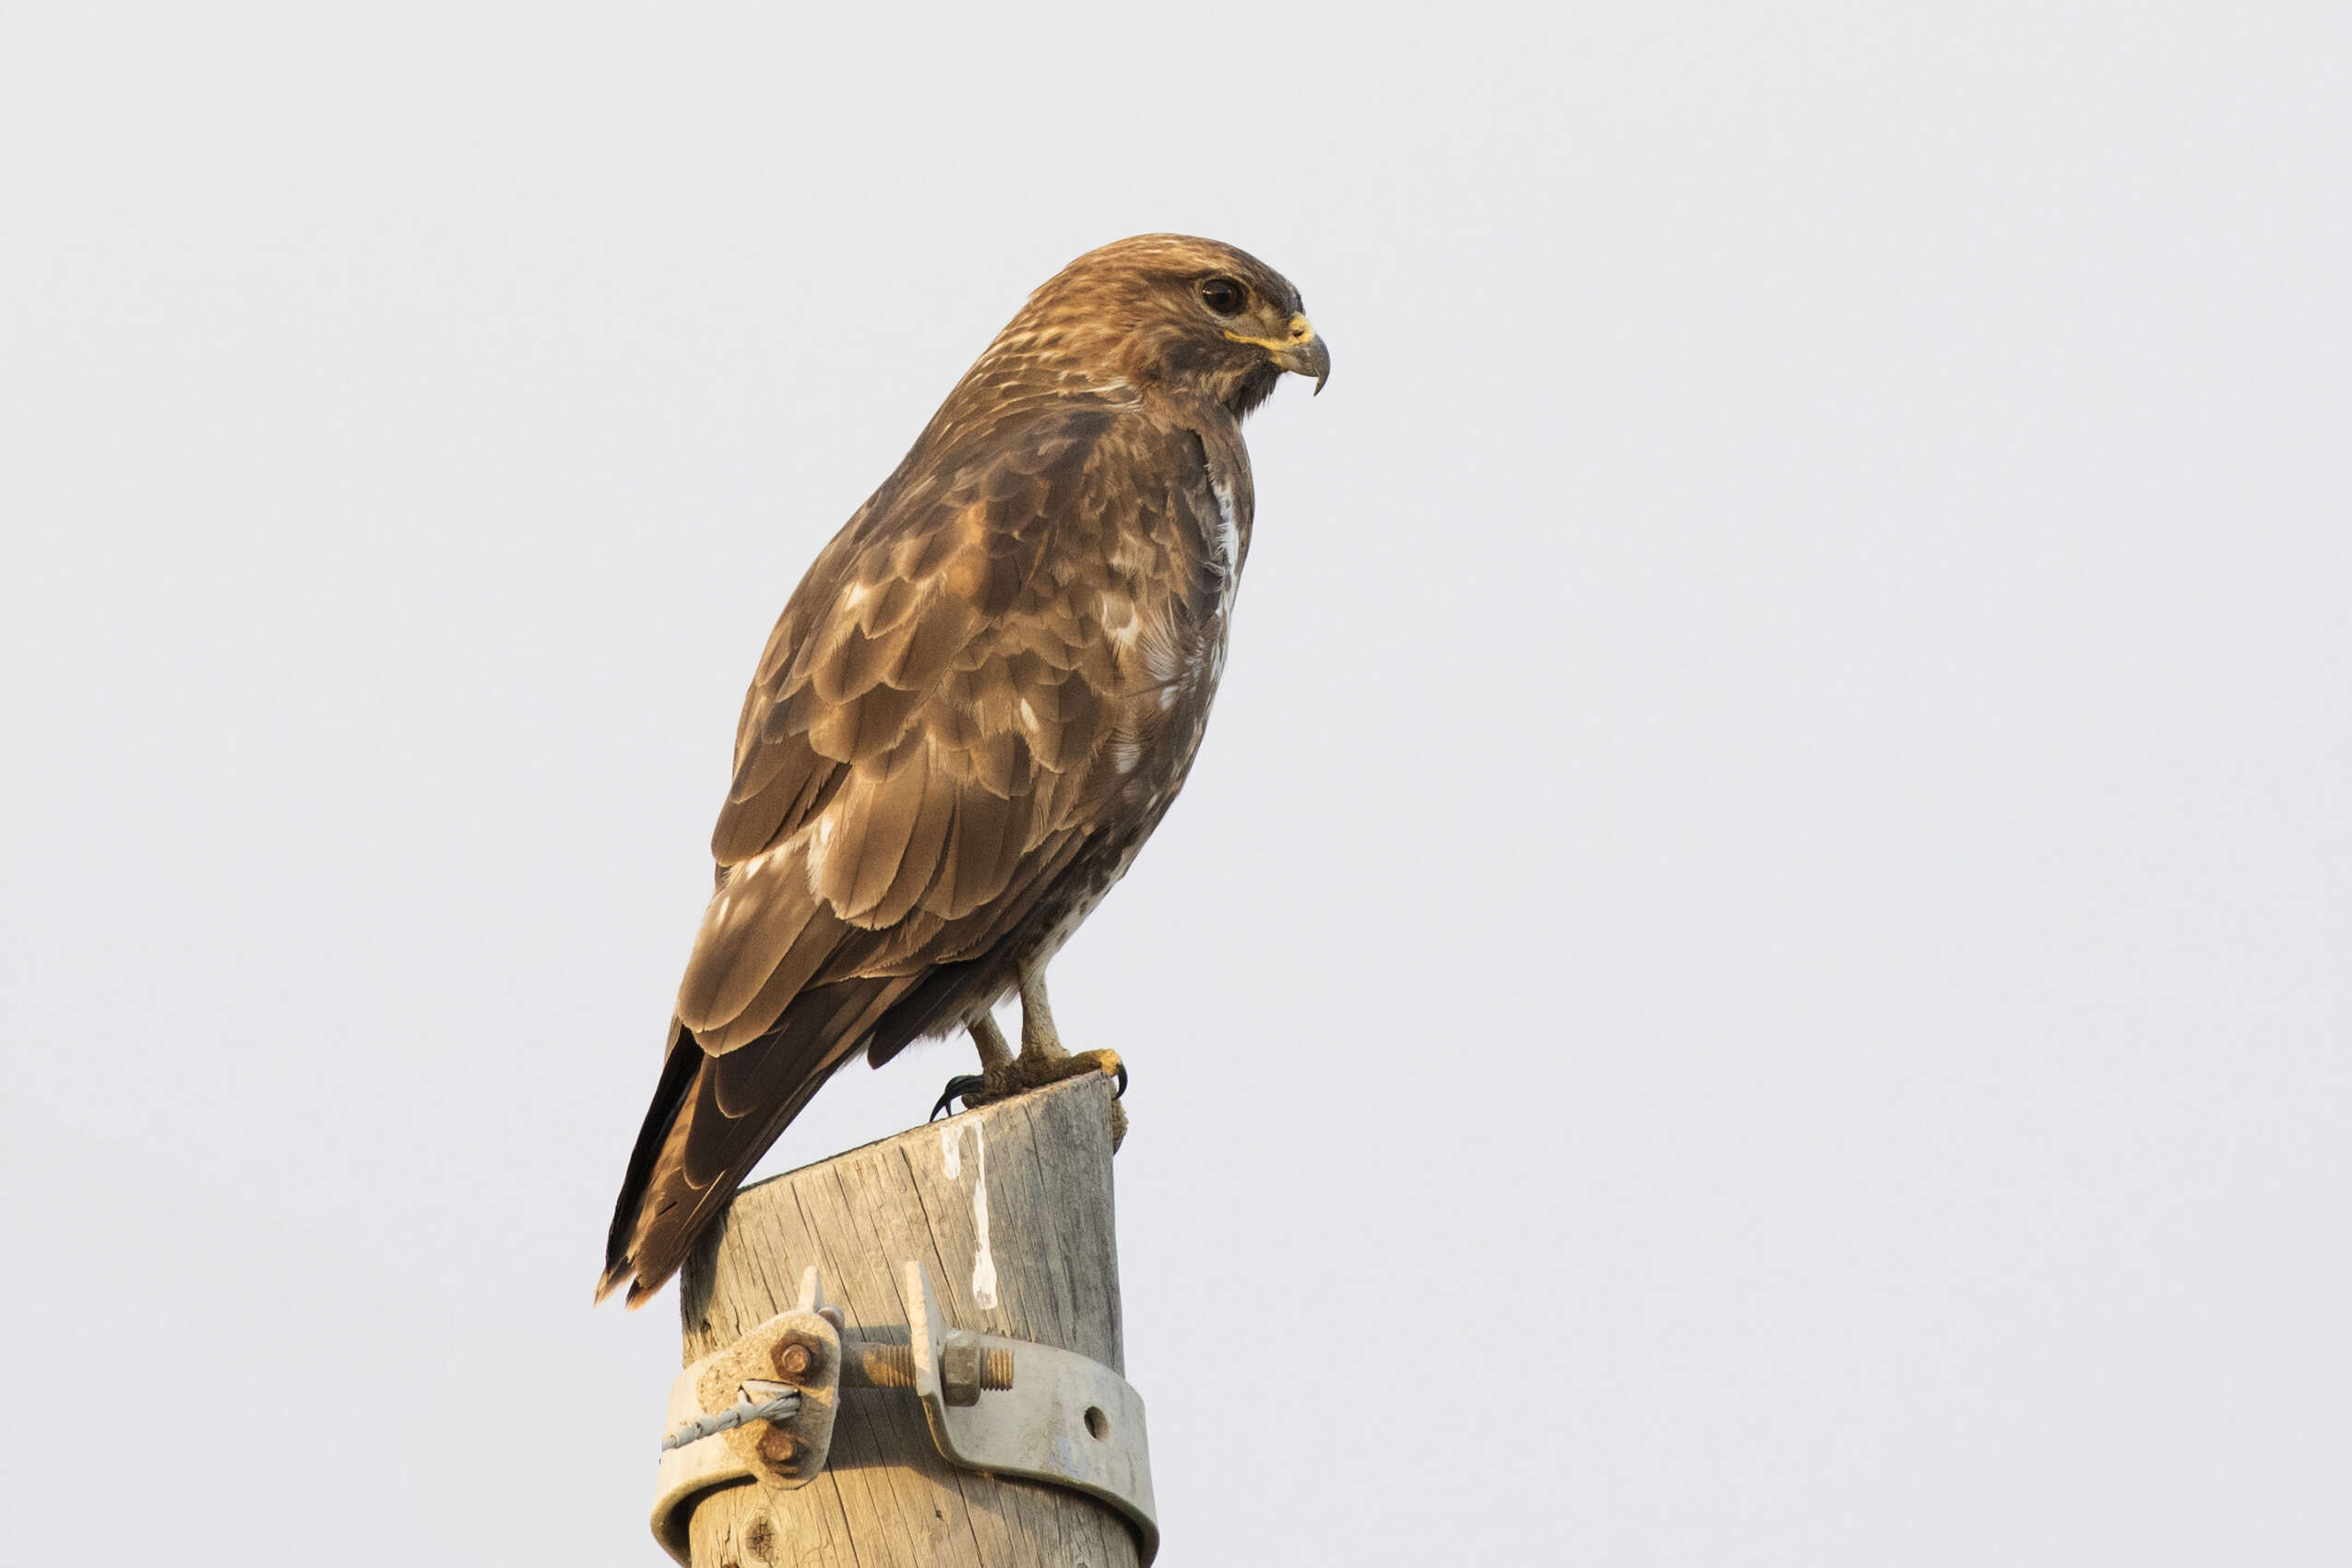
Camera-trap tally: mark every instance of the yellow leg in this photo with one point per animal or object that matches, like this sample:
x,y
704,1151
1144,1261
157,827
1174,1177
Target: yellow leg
x,y
1042,1061
1041,1042
994,1055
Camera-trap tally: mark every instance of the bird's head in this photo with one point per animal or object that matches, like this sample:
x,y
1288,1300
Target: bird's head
x,y
1191,316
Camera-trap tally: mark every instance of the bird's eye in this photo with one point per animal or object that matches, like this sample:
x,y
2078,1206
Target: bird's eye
x,y
1222,295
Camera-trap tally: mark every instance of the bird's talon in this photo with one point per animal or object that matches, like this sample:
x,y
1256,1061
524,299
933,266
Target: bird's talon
x,y
960,1086
1120,1092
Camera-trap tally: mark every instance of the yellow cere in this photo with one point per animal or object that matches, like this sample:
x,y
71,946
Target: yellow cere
x,y
1302,331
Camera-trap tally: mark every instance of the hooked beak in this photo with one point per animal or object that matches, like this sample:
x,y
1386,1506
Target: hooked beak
x,y
1301,351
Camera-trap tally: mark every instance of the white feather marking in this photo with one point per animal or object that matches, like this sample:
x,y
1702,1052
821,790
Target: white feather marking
x,y
1120,622
1229,530
819,839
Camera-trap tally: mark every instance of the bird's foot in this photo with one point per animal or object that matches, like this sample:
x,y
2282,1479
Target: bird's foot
x,y
1032,1071
1041,1071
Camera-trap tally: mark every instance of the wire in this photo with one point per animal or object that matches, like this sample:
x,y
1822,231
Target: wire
x,y
745,1411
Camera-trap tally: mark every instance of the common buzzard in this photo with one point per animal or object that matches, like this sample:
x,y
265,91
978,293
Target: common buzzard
x,y
978,705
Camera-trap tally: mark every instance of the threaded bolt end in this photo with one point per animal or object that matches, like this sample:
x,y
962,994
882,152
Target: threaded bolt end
x,y
867,1363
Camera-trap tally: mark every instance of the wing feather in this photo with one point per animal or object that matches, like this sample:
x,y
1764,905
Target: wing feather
x,y
934,815
877,814
764,931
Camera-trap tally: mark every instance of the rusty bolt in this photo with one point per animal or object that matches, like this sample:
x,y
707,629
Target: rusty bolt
x,y
869,1363
792,1360
866,1363
779,1447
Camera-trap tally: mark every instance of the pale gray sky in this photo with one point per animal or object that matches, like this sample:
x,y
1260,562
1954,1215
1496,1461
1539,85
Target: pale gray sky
x,y
1775,847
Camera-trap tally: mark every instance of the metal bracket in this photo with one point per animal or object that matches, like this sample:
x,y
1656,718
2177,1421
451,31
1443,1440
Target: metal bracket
x,y
1067,1419
762,1408
1006,1406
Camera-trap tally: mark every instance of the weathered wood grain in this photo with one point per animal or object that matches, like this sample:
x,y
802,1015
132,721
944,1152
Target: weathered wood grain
x,y
887,1499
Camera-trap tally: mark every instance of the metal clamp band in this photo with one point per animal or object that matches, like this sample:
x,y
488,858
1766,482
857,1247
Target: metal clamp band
x,y
1007,1406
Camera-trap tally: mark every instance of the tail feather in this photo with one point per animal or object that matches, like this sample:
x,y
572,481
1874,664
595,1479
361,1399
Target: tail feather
x,y
680,1067
705,1130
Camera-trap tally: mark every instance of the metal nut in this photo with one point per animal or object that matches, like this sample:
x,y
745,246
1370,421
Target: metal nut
x,y
779,1447
966,1366
793,1360
959,1368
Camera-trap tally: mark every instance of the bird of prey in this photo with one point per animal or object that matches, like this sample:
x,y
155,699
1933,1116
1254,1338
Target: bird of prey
x,y
975,708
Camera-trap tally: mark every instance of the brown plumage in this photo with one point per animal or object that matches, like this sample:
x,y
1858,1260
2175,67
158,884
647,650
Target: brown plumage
x,y
975,707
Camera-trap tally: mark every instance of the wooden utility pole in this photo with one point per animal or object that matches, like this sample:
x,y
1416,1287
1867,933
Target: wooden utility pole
x,y
1008,1208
